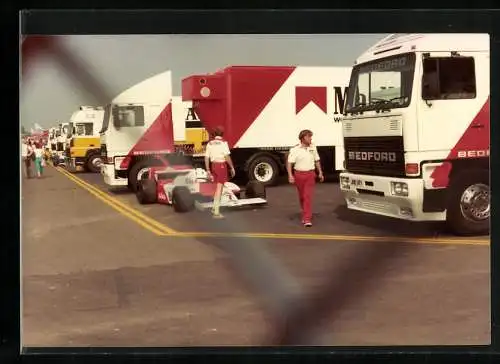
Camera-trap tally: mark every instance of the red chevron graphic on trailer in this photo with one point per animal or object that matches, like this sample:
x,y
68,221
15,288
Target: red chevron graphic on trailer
x,y
241,104
158,137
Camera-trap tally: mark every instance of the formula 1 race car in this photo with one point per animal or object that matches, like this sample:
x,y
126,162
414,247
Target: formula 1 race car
x,y
191,188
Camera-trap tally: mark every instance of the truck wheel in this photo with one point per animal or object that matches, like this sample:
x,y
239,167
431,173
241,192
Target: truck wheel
x,y
469,206
139,171
263,169
255,189
94,163
146,191
182,199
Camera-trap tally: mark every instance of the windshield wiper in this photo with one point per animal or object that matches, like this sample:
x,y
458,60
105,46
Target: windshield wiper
x,y
383,102
355,109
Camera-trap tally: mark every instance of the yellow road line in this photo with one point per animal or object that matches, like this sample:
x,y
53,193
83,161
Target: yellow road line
x,y
347,238
130,209
145,221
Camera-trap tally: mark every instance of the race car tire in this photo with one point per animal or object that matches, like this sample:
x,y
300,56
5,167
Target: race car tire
x,y
134,171
255,189
146,191
182,199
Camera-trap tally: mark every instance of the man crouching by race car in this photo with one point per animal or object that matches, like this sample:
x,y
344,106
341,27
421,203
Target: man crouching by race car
x,y
217,157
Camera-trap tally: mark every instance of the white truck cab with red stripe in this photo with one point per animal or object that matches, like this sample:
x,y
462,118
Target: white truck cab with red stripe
x,y
416,130
263,108
138,131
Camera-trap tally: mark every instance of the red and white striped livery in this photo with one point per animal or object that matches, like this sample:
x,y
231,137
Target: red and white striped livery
x,y
416,130
263,108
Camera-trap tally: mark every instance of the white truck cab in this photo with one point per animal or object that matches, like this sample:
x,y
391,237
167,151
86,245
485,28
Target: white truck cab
x,y
61,139
83,147
416,130
138,131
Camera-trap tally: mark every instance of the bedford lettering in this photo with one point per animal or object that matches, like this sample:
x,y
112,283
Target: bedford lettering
x,y
376,156
473,153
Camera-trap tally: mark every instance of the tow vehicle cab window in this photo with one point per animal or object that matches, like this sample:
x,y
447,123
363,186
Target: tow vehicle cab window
x,y
385,83
448,78
128,116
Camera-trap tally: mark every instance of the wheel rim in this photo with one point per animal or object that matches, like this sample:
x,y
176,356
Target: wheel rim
x,y
475,202
142,173
263,172
97,162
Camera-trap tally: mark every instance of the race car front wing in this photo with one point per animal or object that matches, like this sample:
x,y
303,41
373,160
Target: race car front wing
x,y
232,203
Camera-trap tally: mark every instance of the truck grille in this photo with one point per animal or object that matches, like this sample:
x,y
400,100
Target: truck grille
x,y
381,156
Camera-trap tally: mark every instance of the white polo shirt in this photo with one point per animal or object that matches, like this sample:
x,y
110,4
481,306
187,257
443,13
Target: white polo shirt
x,y
303,157
217,150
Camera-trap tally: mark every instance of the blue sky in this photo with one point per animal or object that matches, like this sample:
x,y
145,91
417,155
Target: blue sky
x,y
50,96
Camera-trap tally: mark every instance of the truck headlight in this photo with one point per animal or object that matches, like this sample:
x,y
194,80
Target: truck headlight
x,y
399,189
344,183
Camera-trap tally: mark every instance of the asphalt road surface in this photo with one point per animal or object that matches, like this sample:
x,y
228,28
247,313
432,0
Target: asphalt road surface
x,y
101,270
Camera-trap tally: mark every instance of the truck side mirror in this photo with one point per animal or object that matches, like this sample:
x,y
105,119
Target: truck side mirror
x,y
116,117
430,86
362,99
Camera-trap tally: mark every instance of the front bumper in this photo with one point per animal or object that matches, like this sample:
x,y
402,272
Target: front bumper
x,y
375,194
108,173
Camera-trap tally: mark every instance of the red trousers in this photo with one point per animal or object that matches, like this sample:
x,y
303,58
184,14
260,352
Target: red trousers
x,y
305,182
219,172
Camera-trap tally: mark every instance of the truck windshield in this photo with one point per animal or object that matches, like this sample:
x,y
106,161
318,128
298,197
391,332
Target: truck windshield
x,y
106,119
128,115
84,129
381,84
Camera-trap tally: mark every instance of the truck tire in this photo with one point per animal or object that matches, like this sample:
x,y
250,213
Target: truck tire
x,y
93,163
182,199
469,207
146,191
263,169
138,169
255,189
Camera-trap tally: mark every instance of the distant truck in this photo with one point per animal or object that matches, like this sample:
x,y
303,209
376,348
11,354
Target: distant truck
x,y
83,147
61,133
52,140
146,126
417,131
262,110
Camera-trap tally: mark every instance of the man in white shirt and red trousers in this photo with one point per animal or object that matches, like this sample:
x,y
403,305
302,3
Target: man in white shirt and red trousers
x,y
305,160
217,157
